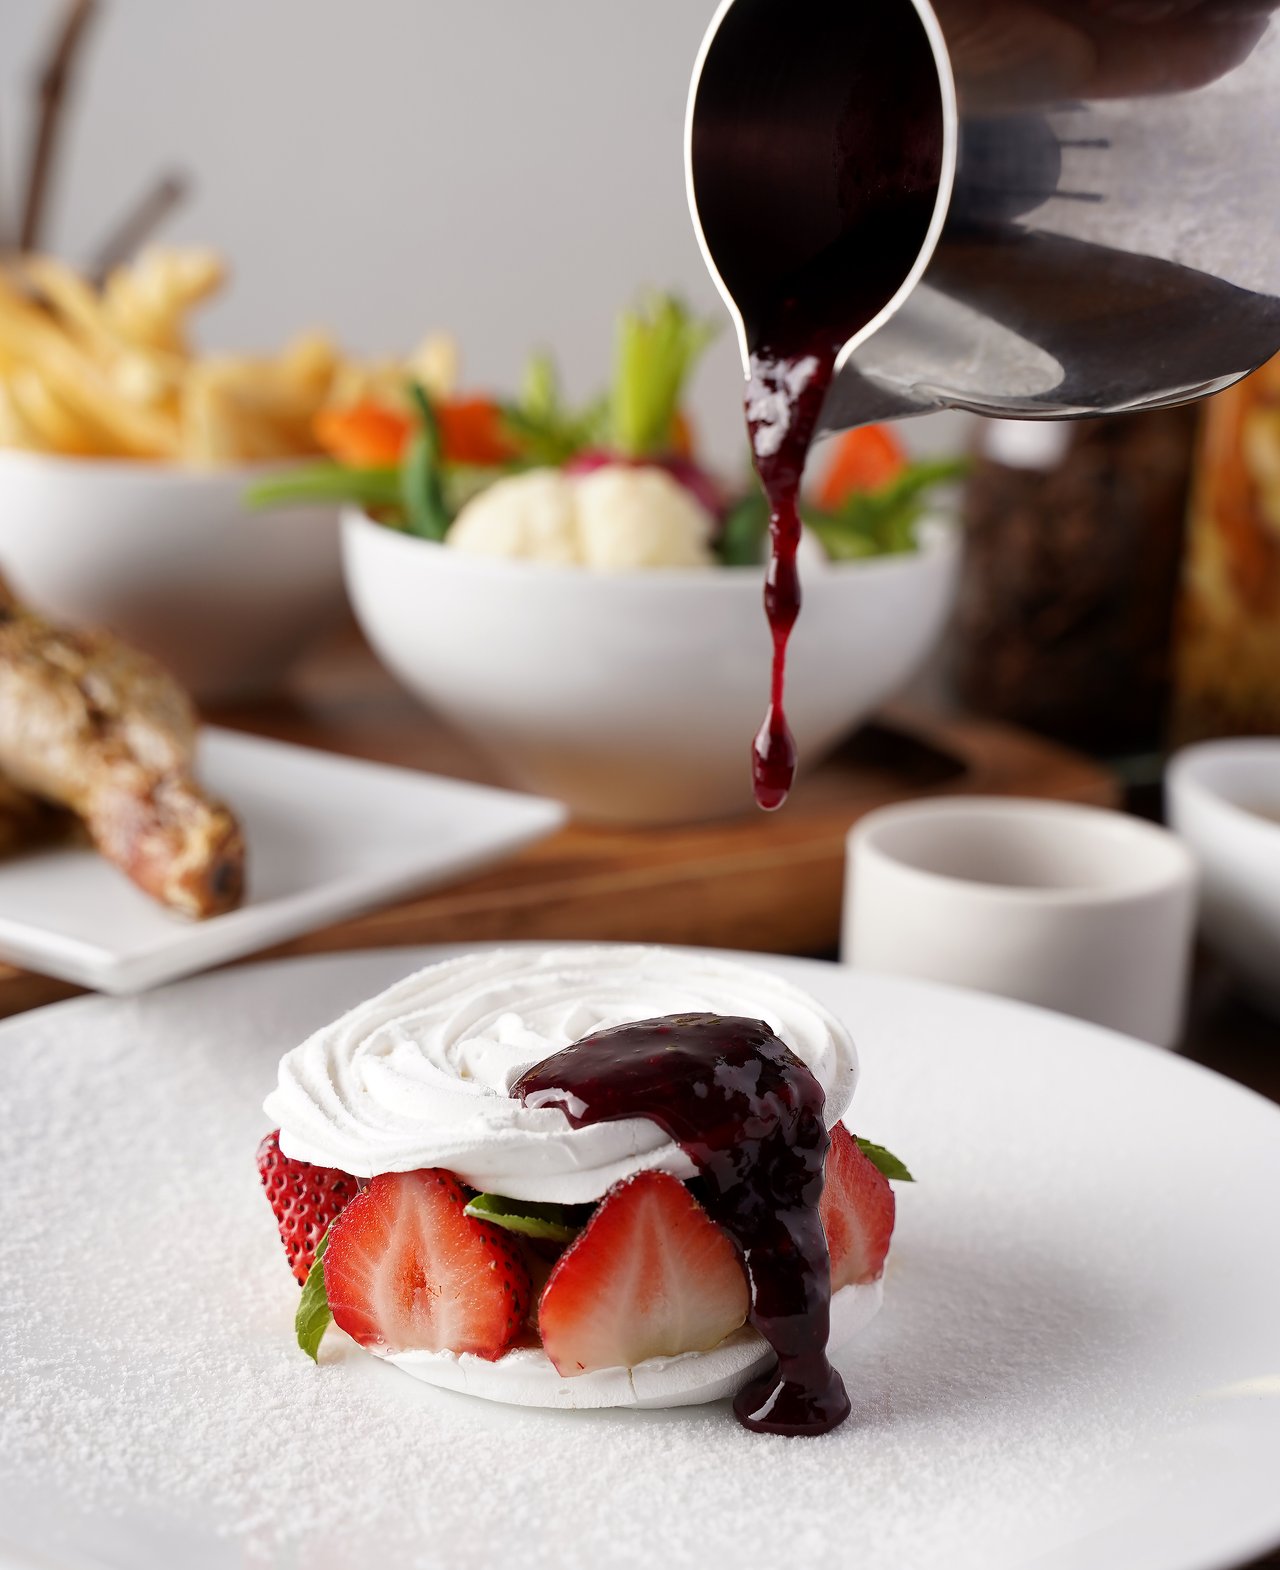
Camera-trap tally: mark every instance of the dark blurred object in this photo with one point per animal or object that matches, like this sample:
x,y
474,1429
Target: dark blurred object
x,y
1228,1033
1228,666
1074,545
905,758
55,82
137,226
53,90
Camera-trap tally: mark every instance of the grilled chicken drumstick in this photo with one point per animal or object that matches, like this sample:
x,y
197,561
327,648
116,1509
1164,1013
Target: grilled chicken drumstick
x,y
89,724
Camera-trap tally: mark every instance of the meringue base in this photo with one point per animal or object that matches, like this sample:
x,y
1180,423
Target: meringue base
x,y
527,1376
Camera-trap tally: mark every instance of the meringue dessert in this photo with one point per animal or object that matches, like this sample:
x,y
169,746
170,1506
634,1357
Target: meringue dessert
x,y
586,1177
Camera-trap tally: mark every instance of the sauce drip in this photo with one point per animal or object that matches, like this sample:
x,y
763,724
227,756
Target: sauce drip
x,y
792,363
749,1115
785,393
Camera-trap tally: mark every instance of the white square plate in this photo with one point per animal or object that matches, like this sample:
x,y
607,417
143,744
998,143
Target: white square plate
x,y
327,837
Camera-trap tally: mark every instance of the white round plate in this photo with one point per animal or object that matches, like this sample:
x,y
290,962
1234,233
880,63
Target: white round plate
x,y
1077,1366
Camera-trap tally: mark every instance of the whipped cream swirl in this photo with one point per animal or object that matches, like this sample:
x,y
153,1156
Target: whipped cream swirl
x,y
420,1076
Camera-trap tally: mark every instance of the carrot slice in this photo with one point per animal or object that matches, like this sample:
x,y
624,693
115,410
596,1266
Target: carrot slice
x,y
366,435
683,435
471,432
864,460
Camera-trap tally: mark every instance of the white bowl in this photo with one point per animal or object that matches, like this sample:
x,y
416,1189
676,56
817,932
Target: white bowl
x,y
1224,800
173,561
634,697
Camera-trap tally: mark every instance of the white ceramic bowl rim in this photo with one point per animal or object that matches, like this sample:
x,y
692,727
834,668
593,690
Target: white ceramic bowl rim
x,y
1208,770
1166,862
148,471
939,537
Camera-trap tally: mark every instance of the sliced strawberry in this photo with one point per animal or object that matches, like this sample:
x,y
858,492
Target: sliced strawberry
x,y
305,1199
857,1212
650,1275
407,1270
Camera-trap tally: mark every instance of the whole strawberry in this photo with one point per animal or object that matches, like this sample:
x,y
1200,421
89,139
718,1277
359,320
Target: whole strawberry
x,y
306,1200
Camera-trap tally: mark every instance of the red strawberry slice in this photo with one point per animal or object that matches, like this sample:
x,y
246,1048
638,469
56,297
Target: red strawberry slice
x,y
407,1270
857,1212
305,1199
650,1275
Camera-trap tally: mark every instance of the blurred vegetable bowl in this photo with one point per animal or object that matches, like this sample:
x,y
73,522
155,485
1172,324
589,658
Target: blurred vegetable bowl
x,y
574,590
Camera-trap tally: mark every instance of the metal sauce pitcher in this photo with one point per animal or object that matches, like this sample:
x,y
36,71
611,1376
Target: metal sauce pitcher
x,y
1104,228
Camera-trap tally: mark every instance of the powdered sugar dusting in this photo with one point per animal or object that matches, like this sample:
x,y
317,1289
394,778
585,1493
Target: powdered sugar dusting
x,y
156,1411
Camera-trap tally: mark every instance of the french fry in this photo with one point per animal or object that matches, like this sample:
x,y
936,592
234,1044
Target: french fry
x,y
149,301
436,364
309,363
146,381
369,381
111,372
30,335
14,430
228,419
210,425
59,428
79,306
261,390
141,374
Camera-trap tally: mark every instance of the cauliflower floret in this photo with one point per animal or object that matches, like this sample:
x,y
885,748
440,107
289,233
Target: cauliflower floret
x,y
632,517
811,554
619,516
533,516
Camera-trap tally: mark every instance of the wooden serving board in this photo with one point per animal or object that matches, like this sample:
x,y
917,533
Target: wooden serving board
x,y
771,883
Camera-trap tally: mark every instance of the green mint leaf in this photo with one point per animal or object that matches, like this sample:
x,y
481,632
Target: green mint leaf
x,y
886,1161
313,1316
557,1223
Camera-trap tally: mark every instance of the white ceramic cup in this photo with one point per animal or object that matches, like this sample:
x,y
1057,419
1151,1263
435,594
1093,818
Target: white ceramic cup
x,y
1074,908
1224,800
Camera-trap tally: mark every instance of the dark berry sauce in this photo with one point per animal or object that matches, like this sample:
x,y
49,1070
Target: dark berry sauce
x,y
784,399
748,1114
